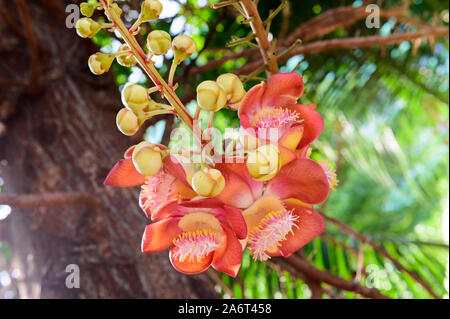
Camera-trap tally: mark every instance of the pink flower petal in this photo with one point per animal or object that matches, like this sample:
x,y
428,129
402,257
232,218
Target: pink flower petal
x,y
303,179
160,235
124,174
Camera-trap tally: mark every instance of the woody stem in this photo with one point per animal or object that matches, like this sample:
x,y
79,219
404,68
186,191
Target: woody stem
x,y
151,71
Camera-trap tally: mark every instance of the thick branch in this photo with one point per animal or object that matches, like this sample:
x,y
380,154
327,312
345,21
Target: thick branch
x,y
323,24
309,270
265,47
380,250
49,199
353,43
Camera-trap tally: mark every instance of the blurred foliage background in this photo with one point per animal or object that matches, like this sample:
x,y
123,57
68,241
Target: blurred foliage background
x,y
387,132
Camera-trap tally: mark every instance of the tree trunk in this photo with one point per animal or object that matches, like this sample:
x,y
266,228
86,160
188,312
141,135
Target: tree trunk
x,y
61,137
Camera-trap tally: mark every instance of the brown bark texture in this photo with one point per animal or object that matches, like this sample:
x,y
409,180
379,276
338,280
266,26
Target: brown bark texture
x,y
58,134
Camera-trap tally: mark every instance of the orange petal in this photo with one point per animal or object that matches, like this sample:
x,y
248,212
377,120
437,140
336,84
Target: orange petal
x,y
282,89
312,123
250,105
236,220
303,179
228,257
310,225
292,137
124,174
241,189
190,267
160,235
286,155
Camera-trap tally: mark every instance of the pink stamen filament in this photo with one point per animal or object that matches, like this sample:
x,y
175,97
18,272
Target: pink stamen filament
x,y
271,232
276,117
150,190
195,245
330,173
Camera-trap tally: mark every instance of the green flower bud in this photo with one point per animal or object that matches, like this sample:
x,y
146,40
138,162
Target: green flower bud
x,y
87,28
147,158
264,163
127,122
208,182
87,9
126,60
183,48
210,96
233,88
135,97
100,63
159,42
150,10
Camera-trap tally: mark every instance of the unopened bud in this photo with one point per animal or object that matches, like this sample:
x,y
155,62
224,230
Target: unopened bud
x,y
87,9
208,182
87,28
135,97
210,96
126,60
233,88
159,42
147,158
183,48
100,63
150,10
263,163
127,122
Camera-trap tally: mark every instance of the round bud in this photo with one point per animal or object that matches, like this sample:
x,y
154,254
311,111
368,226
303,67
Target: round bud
x,y
150,10
87,9
127,122
183,48
100,63
210,96
208,182
233,88
135,97
263,163
126,60
87,28
147,158
159,42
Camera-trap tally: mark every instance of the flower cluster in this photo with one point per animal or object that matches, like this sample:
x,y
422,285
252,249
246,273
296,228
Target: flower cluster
x,y
260,195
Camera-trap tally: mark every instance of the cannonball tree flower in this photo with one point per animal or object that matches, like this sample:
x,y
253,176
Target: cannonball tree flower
x,y
273,107
200,233
280,217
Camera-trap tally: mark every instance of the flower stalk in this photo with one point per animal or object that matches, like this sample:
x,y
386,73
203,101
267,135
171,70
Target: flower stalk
x,y
151,71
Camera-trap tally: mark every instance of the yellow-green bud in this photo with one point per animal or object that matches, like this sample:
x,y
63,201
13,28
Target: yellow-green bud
x,y
135,97
150,10
233,88
210,96
126,60
208,182
87,28
183,48
87,9
147,158
100,63
264,162
127,122
159,42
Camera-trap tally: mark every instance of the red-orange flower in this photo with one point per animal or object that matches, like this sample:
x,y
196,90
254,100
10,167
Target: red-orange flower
x,y
281,218
273,106
199,233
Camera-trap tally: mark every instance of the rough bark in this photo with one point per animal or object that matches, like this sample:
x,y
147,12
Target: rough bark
x,y
62,138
